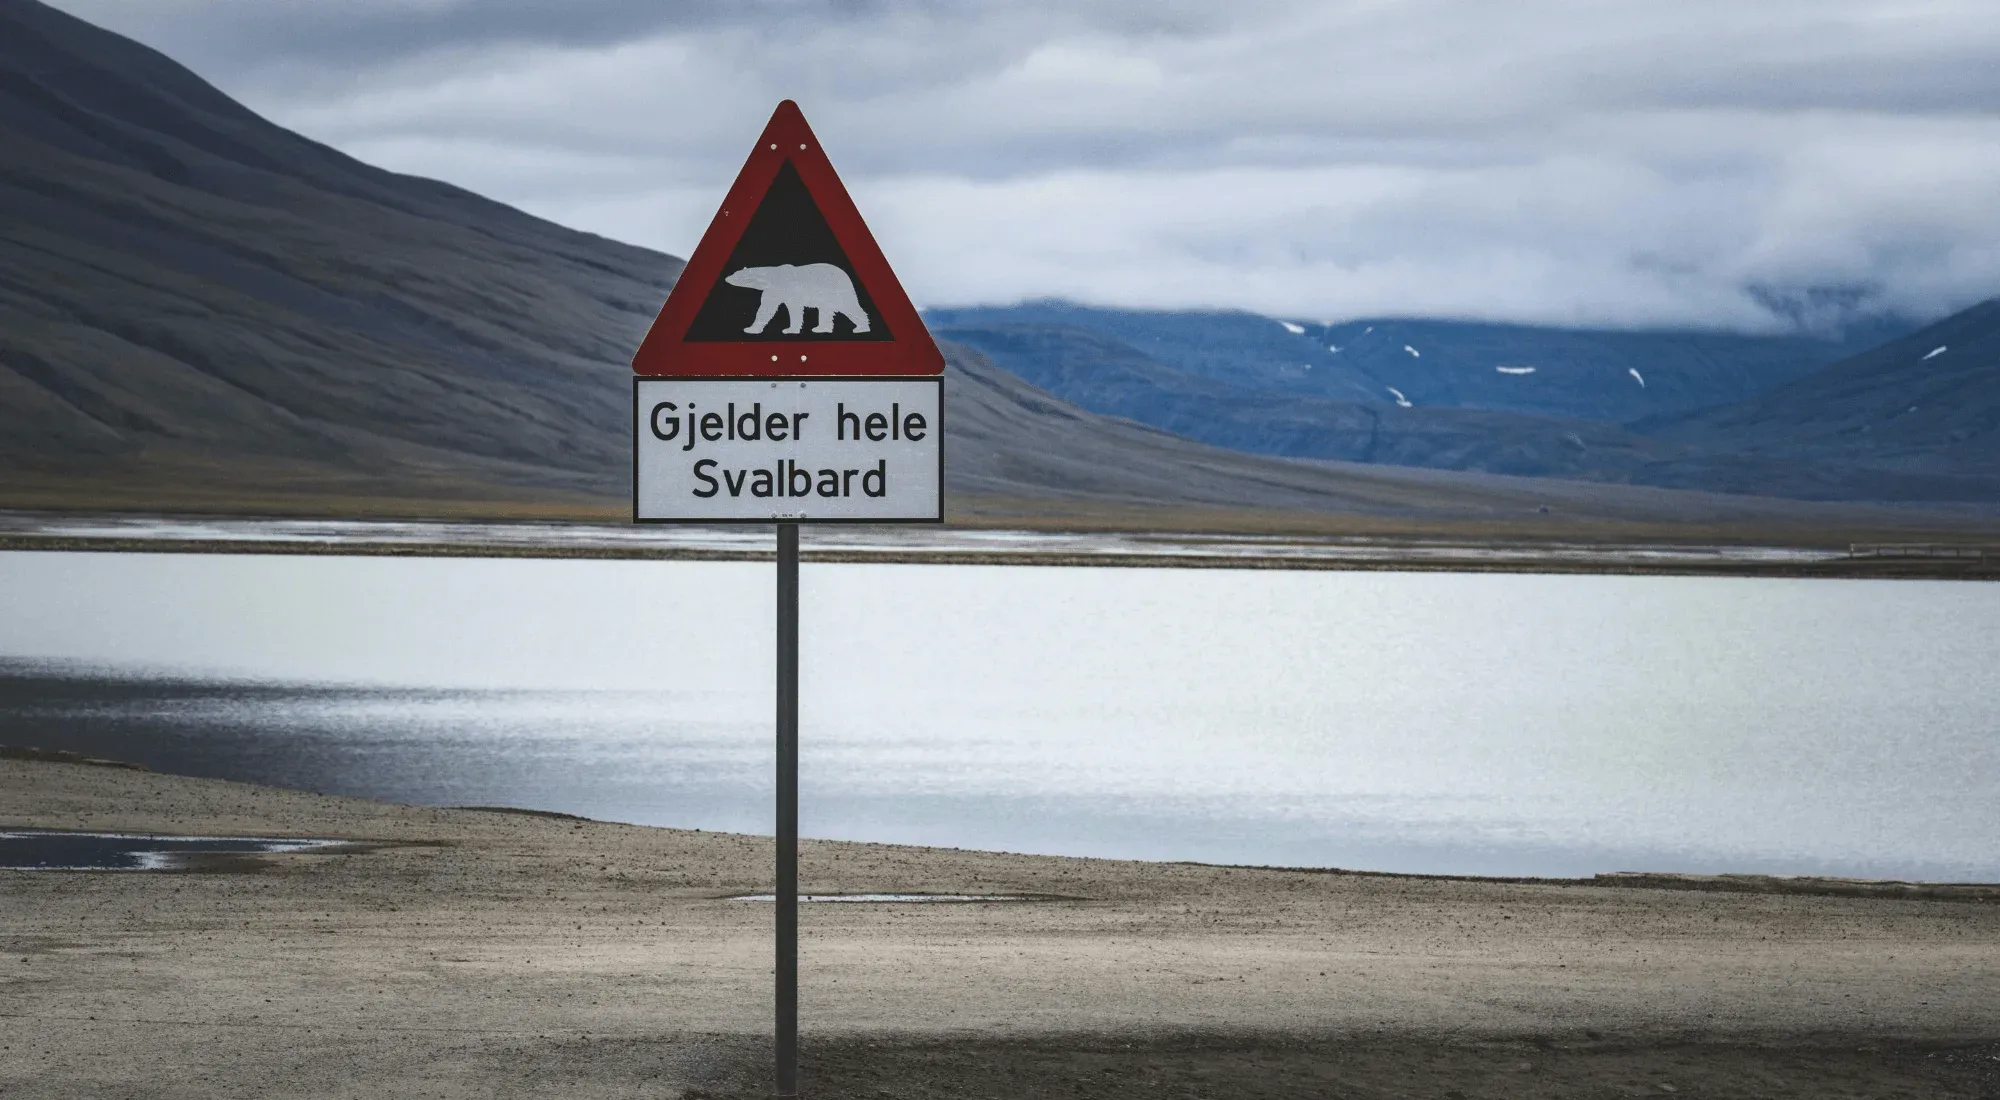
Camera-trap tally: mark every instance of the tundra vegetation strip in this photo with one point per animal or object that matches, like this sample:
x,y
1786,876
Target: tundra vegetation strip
x,y
500,954
1405,558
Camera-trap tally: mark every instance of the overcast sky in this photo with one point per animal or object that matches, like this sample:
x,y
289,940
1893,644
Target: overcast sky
x,y
1616,162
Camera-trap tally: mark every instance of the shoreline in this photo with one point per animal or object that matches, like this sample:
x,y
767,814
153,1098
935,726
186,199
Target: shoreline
x,y
1003,547
1737,882
476,953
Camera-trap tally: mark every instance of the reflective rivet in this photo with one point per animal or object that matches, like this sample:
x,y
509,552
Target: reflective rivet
x,y
774,359
774,145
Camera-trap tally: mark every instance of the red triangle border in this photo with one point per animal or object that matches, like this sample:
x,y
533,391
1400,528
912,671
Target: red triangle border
x,y
665,351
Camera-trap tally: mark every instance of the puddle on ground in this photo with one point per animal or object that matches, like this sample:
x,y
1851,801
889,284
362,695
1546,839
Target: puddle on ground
x,y
805,898
56,850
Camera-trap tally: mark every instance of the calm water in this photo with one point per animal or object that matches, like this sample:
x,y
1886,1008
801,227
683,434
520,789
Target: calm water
x,y
1479,723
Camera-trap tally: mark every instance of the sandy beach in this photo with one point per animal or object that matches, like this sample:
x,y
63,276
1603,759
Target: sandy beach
x,y
471,953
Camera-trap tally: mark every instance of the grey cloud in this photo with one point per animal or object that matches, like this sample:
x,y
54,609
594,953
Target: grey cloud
x,y
235,36
1620,162
228,37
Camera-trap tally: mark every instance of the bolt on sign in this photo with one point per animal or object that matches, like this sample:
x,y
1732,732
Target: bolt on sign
x,y
788,377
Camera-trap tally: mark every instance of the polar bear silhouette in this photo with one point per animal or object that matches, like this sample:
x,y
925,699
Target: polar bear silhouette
x,y
797,288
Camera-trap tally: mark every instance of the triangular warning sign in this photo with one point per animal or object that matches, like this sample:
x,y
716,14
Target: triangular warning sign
x,y
787,281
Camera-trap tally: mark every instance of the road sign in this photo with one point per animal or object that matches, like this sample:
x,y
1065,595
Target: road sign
x,y
787,280
788,379
790,450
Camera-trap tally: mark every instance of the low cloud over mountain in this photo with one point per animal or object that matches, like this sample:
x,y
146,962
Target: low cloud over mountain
x,y
1702,163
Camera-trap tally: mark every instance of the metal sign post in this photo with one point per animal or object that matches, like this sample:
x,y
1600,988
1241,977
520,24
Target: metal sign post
x,y
787,900
788,380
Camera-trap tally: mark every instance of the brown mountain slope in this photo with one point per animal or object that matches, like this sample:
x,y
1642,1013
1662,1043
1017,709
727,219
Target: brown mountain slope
x,y
200,310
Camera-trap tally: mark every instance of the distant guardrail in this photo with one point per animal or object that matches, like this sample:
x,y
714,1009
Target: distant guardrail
x,y
1923,550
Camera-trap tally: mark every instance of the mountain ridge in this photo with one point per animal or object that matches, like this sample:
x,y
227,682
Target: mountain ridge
x,y
1114,378
199,309
1569,373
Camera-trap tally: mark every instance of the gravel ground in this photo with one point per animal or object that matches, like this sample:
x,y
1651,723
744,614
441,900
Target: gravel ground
x,y
463,953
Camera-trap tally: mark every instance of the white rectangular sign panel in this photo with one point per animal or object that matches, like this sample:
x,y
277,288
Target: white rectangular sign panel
x,y
760,449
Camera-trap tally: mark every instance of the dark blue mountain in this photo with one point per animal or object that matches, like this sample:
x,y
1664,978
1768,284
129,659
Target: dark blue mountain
x,y
1612,376
1603,375
1112,377
1926,403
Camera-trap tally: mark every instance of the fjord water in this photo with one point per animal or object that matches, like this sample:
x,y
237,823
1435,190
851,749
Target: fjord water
x,y
1453,723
